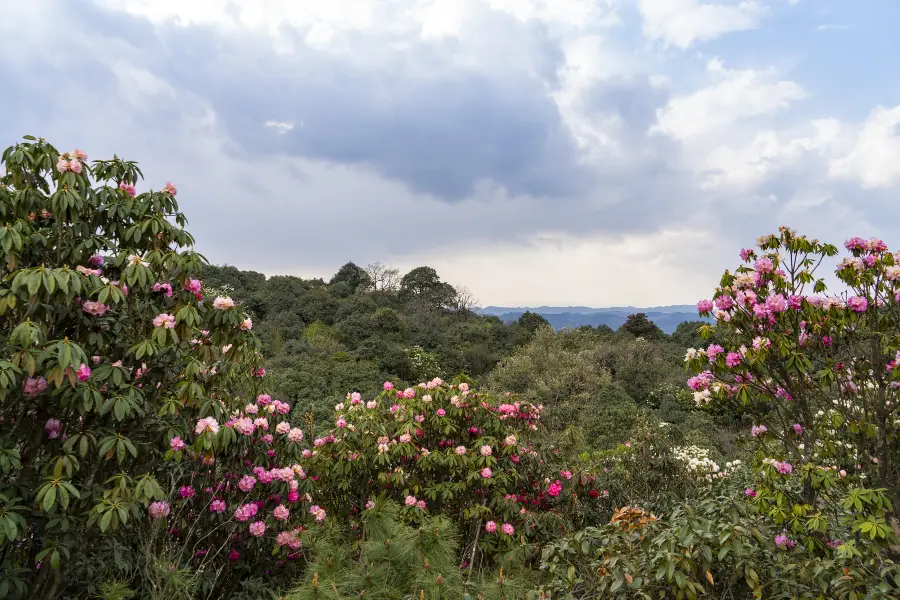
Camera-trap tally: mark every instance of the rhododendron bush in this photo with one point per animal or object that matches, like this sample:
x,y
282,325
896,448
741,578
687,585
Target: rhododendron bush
x,y
123,392
817,373
437,448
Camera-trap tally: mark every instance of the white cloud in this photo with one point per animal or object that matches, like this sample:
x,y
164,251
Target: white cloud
x,y
734,96
279,126
559,269
874,159
683,22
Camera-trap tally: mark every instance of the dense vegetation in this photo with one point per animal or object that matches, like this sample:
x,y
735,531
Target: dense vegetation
x,y
172,429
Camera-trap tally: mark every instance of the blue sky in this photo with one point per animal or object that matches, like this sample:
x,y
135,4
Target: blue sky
x,y
575,152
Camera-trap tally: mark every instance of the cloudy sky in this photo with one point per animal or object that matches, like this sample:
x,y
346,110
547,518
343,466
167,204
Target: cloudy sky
x,y
590,152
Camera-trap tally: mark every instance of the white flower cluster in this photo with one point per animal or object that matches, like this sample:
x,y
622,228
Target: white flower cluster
x,y
697,461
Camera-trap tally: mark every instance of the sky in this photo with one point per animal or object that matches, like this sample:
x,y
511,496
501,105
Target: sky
x,y
539,152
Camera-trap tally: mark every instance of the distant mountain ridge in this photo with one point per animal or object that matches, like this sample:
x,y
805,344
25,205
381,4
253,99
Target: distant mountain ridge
x,y
666,318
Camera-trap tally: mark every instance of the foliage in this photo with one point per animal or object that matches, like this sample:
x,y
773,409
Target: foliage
x,y
717,548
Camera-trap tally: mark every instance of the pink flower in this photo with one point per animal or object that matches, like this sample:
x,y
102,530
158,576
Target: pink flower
x,y
395,408
758,430
193,286
784,542
784,468
295,435
460,450
508,529
857,304
798,428
207,424
186,491
281,512
704,306
163,287
749,493
486,450
410,501
441,412
257,528
490,527
486,473
127,188
217,506
247,324
421,505
170,188
733,359
388,385
34,386
62,165
554,489
745,254
223,303
158,510
177,444
713,351
164,320
245,512
83,372
405,438
724,302
246,483
53,428
763,265
566,474
94,308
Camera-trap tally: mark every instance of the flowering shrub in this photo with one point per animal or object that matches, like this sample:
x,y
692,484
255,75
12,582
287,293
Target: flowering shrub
x,y
119,386
435,448
817,374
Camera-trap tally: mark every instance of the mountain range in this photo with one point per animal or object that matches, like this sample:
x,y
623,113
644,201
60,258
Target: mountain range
x,y
666,318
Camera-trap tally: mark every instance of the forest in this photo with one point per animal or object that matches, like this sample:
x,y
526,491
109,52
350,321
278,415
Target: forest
x,y
171,429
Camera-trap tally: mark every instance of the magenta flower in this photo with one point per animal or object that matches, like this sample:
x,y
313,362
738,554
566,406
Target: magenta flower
x,y
217,506
798,428
784,542
186,491
750,493
486,473
508,529
441,412
733,359
83,372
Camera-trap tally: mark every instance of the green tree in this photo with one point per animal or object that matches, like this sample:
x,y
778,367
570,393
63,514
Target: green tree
x,y
532,321
639,325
